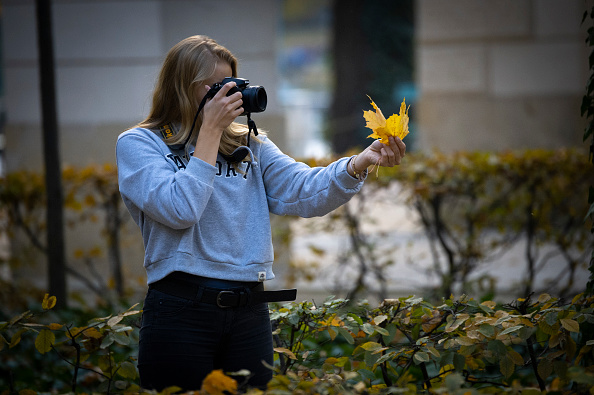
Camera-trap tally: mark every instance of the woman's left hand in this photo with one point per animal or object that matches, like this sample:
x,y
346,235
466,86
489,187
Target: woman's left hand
x,y
381,154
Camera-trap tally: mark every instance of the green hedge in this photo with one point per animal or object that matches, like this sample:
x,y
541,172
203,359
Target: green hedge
x,y
404,345
471,205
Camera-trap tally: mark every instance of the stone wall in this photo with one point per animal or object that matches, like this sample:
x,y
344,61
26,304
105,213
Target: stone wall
x,y
500,74
108,54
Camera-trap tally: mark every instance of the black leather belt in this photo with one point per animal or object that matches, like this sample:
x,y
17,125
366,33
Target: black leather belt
x,y
223,298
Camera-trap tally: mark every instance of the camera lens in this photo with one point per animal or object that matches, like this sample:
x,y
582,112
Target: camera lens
x,y
254,99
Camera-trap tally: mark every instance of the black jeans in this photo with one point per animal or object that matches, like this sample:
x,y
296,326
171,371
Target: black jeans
x,y
181,341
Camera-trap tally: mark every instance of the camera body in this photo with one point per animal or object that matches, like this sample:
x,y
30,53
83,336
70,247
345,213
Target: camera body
x,y
254,97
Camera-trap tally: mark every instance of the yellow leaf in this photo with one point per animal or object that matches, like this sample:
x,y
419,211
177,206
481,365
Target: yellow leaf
x,y
465,341
114,320
554,340
544,298
332,333
576,298
333,321
48,302
396,125
286,351
516,357
217,383
570,325
127,370
371,346
93,333
507,366
44,341
55,327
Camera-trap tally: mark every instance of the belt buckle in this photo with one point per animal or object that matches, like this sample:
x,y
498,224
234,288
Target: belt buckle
x,y
219,299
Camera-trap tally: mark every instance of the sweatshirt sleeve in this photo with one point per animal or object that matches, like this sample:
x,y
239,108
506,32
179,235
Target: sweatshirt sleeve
x,y
294,188
150,180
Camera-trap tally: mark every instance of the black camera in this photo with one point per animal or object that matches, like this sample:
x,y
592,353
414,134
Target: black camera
x,y
254,97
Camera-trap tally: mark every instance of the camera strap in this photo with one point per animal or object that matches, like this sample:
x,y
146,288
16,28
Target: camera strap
x,y
200,107
240,152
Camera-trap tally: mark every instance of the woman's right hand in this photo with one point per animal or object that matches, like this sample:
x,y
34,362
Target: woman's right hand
x,y
218,113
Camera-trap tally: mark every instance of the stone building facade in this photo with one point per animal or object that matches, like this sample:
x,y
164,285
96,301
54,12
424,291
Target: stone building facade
x,y
502,74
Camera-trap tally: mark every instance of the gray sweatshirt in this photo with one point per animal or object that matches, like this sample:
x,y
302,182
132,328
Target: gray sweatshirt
x,y
213,221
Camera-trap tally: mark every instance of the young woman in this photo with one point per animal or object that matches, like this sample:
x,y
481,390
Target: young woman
x,y
205,220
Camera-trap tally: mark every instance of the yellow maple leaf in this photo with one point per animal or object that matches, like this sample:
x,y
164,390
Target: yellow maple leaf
x,y
217,383
396,125
48,302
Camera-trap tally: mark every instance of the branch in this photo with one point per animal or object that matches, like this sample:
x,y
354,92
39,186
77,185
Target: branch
x,y
20,222
473,380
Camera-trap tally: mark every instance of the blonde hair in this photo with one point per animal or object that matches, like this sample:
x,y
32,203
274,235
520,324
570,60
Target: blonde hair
x,y
187,66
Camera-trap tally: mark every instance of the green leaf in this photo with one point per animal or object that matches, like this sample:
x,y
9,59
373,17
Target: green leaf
x,y
16,338
459,361
421,357
368,328
487,330
346,334
121,338
467,350
507,366
127,370
545,368
548,329
366,374
415,331
466,341
356,318
561,368
551,318
106,364
386,357
511,329
371,358
433,351
446,359
382,331
497,347
526,332
516,357
44,341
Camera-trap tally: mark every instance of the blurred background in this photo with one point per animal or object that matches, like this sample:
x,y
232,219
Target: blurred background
x,y
479,75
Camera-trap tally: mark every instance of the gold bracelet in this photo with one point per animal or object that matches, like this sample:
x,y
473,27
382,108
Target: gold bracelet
x,y
361,176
